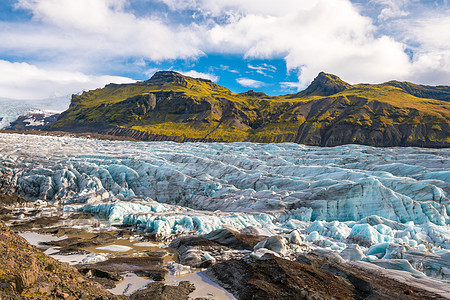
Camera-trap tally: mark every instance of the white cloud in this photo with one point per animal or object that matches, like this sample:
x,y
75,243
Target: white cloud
x,y
430,38
247,82
228,69
393,9
89,36
235,7
319,35
431,30
150,72
263,69
330,36
290,85
90,30
195,74
25,81
87,15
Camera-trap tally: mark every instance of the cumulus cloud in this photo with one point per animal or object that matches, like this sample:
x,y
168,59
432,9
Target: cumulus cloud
x,y
25,81
318,35
328,36
90,36
97,29
251,83
235,7
392,8
431,30
195,74
430,39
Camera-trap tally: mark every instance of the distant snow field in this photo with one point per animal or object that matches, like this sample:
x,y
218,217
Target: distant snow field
x,y
11,109
362,202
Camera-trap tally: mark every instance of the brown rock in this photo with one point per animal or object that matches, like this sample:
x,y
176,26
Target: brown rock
x,y
27,273
276,278
28,276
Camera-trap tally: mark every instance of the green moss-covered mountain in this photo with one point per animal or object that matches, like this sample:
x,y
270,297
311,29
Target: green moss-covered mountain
x,y
329,112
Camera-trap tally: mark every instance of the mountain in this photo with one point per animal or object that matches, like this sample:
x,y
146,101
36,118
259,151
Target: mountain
x,y
330,112
423,91
324,85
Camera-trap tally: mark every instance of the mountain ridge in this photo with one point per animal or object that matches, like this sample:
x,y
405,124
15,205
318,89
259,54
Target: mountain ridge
x,y
330,112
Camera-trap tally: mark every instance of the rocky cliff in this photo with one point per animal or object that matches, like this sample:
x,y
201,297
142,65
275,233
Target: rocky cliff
x,y
330,112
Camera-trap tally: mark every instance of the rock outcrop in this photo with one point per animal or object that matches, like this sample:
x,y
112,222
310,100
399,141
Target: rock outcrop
x,y
320,277
216,246
276,278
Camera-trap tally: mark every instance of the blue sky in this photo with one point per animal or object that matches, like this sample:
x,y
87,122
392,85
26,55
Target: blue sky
x,y
56,47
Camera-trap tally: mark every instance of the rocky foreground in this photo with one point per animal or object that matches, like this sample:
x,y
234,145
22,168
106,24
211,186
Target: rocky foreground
x,y
27,273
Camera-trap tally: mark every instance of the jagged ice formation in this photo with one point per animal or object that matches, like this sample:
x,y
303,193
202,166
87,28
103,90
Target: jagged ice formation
x,y
333,196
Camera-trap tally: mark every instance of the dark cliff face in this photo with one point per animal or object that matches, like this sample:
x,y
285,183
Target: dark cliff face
x,y
330,112
338,121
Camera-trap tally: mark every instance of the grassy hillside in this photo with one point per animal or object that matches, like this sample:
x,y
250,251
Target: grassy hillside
x,y
329,112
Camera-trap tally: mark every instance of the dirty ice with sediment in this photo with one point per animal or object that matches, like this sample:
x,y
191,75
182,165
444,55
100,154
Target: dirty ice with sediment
x,y
387,206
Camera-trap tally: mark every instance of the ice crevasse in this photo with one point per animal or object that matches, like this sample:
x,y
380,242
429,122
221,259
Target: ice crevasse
x,y
166,187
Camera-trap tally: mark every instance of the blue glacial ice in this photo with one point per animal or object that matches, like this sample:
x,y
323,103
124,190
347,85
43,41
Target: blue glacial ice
x,y
329,197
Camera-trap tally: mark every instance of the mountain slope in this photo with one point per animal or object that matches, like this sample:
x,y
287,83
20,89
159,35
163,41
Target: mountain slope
x,y
330,112
423,91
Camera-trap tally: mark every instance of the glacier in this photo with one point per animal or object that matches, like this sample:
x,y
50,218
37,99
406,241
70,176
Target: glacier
x,y
11,109
363,202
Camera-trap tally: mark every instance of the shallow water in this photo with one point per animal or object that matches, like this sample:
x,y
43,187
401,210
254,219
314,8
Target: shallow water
x,y
131,283
204,287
